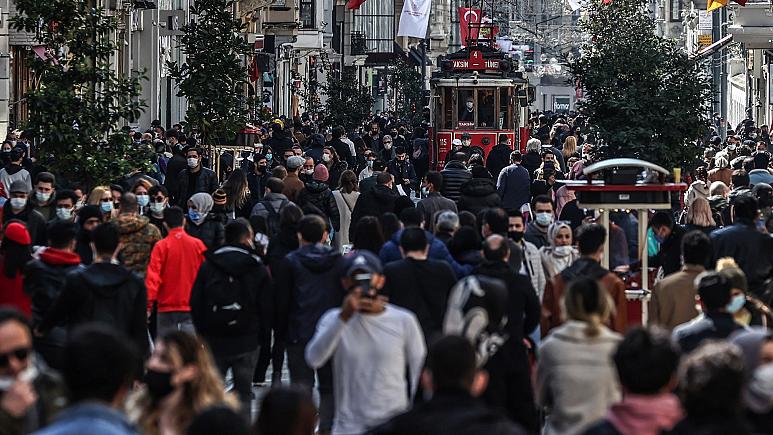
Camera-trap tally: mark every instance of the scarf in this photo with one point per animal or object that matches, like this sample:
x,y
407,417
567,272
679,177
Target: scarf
x,y
204,204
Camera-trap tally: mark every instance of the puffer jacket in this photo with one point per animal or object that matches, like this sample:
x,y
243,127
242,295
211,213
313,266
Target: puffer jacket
x,y
211,231
455,175
138,237
44,279
319,195
479,194
374,202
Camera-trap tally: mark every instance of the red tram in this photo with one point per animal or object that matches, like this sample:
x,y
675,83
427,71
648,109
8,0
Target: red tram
x,y
477,91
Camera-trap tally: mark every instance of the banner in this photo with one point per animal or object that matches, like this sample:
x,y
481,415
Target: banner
x,y
467,17
415,18
354,4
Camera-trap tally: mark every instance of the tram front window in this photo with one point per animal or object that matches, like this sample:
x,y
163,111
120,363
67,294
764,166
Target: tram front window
x,y
486,108
466,99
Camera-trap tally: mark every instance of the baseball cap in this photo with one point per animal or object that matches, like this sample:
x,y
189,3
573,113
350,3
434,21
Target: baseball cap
x,y
295,162
364,261
19,186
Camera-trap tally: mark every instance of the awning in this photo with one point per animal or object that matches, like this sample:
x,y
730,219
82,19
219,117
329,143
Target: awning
x,y
414,55
713,48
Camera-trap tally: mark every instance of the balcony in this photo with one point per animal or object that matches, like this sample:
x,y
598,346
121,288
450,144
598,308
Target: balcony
x,y
359,44
753,25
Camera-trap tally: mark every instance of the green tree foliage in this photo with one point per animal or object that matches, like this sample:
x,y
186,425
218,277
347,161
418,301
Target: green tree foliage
x,y
644,96
348,103
406,82
80,104
214,75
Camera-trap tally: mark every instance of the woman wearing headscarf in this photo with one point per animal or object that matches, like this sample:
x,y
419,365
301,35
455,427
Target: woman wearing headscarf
x,y
201,224
559,253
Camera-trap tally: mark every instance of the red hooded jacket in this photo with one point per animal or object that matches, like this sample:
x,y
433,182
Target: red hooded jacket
x,y
174,264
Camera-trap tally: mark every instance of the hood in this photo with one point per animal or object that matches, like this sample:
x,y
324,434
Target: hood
x,y
236,260
315,186
583,266
12,168
128,224
383,193
479,187
58,257
106,278
317,258
645,415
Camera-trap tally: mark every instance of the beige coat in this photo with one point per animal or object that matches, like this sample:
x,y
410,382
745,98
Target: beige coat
x,y
673,298
345,203
576,377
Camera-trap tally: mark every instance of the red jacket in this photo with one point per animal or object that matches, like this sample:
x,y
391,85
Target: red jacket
x,y
12,291
174,264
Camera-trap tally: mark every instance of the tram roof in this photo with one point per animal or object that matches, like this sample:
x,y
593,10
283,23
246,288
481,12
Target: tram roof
x,y
481,81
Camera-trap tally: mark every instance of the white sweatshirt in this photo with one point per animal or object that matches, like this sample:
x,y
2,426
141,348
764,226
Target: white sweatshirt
x,y
370,354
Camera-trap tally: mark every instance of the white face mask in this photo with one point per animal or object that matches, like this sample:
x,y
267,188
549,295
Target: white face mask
x,y
326,157
308,171
64,213
18,203
157,207
562,251
143,200
387,146
544,219
469,105
193,162
43,196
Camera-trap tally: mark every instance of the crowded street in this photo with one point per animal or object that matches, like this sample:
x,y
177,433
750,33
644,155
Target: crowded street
x,y
465,240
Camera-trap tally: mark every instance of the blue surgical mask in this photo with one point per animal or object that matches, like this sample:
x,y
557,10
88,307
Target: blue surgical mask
x,y
143,200
194,215
544,219
106,207
269,157
736,303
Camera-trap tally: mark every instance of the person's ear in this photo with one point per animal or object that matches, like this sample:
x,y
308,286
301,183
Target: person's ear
x,y
479,383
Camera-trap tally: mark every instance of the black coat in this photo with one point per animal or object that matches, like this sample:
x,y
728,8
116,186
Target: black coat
x,y
374,202
206,182
105,293
509,389
531,161
211,232
498,158
343,151
455,175
173,168
319,195
714,326
236,261
477,195
33,220
750,248
670,255
421,286
449,413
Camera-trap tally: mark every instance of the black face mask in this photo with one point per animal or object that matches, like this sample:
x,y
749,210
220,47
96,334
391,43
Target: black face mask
x,y
516,236
159,384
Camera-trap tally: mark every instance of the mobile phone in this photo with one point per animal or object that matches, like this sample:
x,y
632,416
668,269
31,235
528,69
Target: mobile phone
x,y
362,281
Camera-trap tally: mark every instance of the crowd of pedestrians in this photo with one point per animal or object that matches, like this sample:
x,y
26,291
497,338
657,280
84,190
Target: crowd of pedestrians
x,y
384,296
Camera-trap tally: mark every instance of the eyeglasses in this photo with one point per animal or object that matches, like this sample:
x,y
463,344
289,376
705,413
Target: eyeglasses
x,y
21,354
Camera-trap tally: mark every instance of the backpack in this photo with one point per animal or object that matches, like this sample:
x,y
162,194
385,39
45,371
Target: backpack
x,y
229,308
272,220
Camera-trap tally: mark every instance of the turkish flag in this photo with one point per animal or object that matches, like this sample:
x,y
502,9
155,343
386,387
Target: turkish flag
x,y
354,4
468,16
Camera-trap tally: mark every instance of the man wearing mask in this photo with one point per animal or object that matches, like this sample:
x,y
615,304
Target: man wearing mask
x,y
195,179
402,169
65,205
308,170
19,208
43,200
292,182
532,262
387,151
374,136
462,145
159,201
537,230
468,111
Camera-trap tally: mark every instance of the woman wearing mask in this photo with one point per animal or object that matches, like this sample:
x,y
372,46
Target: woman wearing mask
x,y
208,229
576,377
345,198
746,309
15,252
335,166
367,171
102,197
159,200
142,190
559,253
180,382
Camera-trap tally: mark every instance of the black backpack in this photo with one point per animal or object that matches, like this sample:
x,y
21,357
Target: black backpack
x,y
229,307
272,220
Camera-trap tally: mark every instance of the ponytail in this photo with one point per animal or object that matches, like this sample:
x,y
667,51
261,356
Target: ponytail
x,y
587,302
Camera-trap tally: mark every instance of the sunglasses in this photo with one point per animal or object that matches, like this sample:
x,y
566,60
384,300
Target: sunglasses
x,y
157,199
106,199
308,166
21,354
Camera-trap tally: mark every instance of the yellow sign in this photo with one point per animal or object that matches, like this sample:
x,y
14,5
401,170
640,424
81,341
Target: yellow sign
x,y
704,41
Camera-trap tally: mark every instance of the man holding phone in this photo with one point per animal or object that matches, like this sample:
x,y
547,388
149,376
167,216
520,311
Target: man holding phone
x,y
372,342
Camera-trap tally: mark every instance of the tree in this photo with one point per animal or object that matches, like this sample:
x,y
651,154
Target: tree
x,y
348,103
80,104
643,95
407,83
214,75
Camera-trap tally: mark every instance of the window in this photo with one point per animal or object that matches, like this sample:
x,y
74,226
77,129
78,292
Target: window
x,y
446,108
676,10
465,100
486,108
505,115
375,20
307,14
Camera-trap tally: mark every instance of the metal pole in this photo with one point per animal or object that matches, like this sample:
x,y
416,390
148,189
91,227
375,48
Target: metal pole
x,y
716,70
724,75
423,64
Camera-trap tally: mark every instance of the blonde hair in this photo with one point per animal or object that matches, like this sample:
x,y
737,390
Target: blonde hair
x,y
699,213
142,182
726,263
204,390
95,197
586,301
570,146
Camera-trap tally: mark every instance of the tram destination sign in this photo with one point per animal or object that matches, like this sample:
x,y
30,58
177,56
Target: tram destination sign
x,y
475,62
